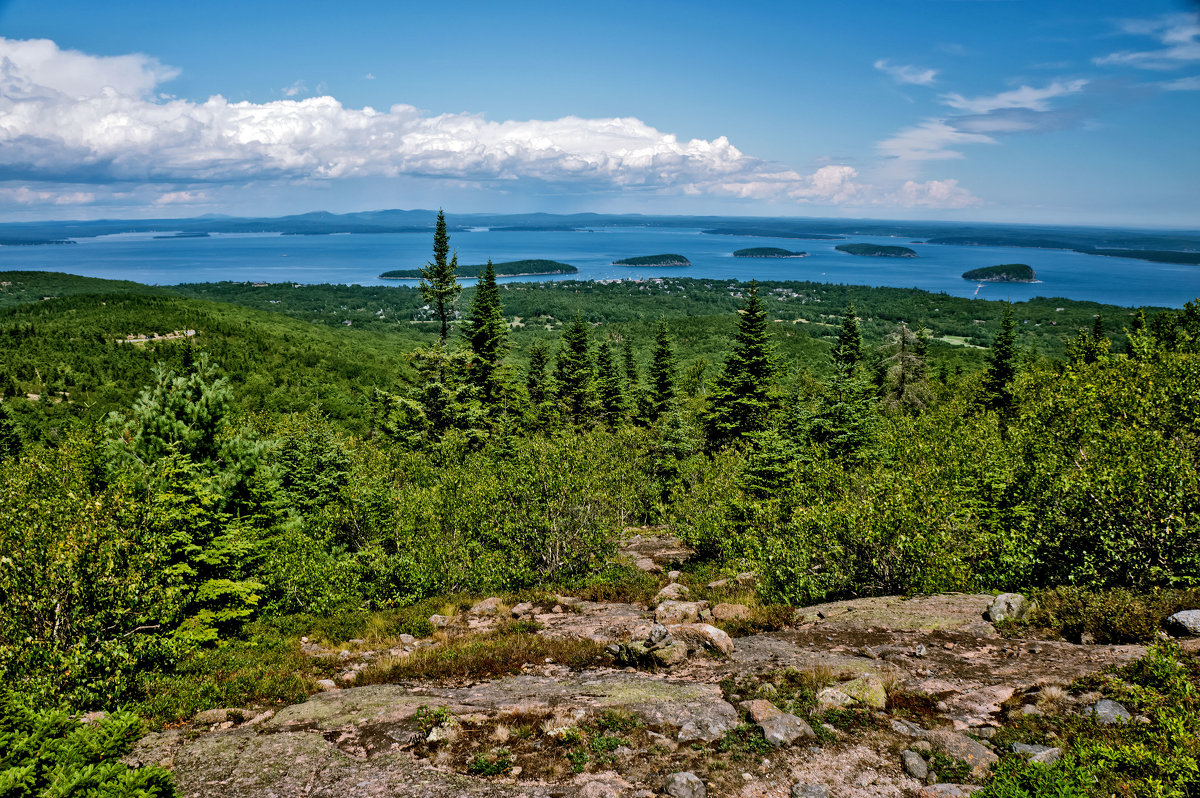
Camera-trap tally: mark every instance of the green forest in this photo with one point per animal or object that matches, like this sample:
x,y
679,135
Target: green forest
x,y
193,476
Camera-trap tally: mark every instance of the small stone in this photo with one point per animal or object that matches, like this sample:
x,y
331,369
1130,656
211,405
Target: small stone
x,y
440,621
522,609
716,585
304,640
684,785
745,578
1087,639
1108,712
671,611
674,576
1028,751
803,789
1184,624
489,606
648,565
327,684
922,747
914,765
702,636
830,698
669,655
557,609
961,747
598,789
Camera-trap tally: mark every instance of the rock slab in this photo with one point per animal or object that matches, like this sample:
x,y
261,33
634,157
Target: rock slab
x,y
1184,624
684,785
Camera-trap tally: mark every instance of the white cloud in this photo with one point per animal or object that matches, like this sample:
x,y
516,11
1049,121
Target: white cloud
x,y
1182,84
70,117
369,76
181,198
907,74
1179,35
932,140
298,87
1024,97
23,195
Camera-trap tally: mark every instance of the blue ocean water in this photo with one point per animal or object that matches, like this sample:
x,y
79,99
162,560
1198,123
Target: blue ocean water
x,y
361,258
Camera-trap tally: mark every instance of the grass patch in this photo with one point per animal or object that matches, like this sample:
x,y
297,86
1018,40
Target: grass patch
x,y
1110,616
743,740
484,656
617,582
374,628
768,618
495,763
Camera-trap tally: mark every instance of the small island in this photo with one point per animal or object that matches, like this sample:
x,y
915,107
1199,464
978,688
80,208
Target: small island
x,y
184,235
1005,273
764,232
768,252
512,268
668,259
876,251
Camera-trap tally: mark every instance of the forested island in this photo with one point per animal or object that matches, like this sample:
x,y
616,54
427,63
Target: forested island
x,y
297,521
766,232
667,259
1005,273
768,252
876,250
510,268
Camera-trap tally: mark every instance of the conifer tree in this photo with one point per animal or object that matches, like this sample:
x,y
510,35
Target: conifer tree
x,y
1137,331
1002,364
487,335
574,373
609,384
438,286
535,376
906,389
662,375
745,393
847,354
632,378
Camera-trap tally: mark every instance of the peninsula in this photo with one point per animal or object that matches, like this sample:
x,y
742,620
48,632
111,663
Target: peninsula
x,y
512,268
668,259
876,251
768,252
1005,273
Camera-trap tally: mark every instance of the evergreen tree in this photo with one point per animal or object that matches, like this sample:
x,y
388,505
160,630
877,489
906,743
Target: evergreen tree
x,y
10,435
906,387
574,373
1089,347
487,335
847,353
1002,364
1136,332
632,378
662,375
535,376
438,286
609,384
745,393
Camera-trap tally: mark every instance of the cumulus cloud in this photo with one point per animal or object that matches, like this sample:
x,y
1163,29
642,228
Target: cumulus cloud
x,y
907,74
1024,97
181,198
70,117
1178,35
24,195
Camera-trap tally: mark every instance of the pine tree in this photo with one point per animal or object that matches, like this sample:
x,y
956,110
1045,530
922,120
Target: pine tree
x,y
1002,364
662,375
535,375
745,393
1136,332
574,374
609,384
438,286
847,354
906,388
487,335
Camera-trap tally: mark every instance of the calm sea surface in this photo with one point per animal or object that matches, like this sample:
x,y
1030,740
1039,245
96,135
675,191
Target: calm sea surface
x,y
361,258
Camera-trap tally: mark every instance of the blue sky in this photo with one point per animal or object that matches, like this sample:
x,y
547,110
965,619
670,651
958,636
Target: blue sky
x,y
1003,110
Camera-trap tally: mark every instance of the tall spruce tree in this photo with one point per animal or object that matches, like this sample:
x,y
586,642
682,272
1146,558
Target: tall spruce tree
x,y
438,286
1002,365
662,375
847,353
487,335
609,384
574,372
745,393
535,375
906,385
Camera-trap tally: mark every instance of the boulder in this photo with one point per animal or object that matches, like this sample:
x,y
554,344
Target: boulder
x,y
829,698
914,765
489,606
1184,624
523,609
1008,606
648,565
785,729
327,684
440,621
1047,757
684,785
964,749
1108,712
760,709
667,656
718,584
745,578
674,576
730,612
866,690
673,592
672,612
702,636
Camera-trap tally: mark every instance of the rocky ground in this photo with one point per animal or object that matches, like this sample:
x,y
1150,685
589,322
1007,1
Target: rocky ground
x,y
903,688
